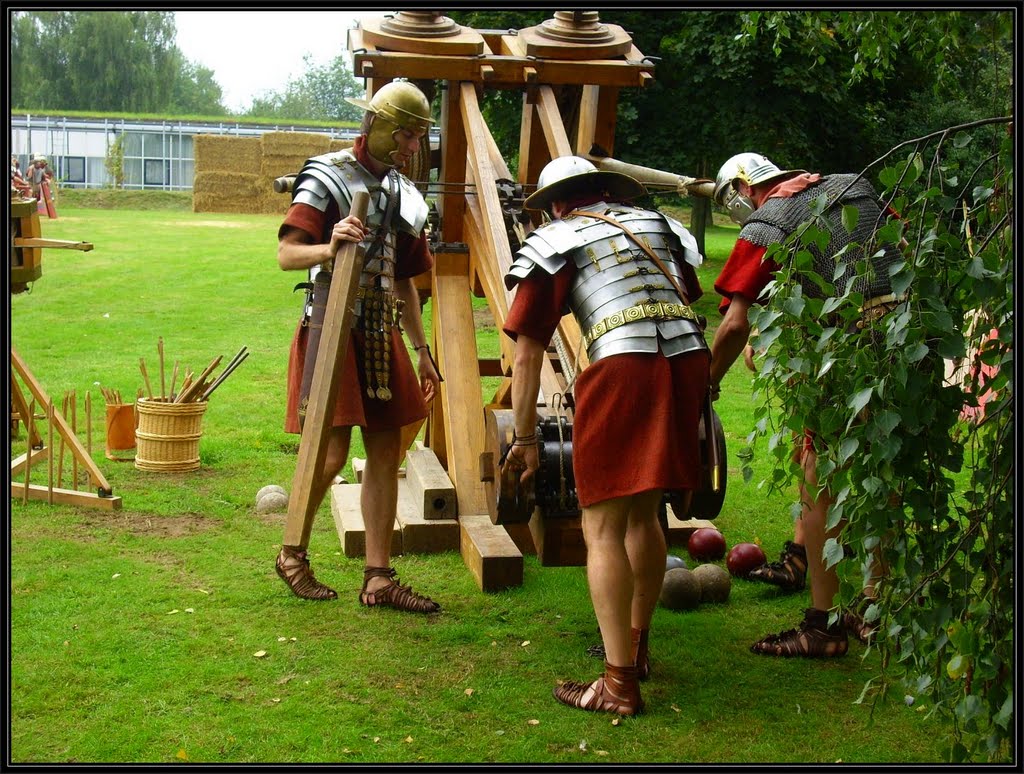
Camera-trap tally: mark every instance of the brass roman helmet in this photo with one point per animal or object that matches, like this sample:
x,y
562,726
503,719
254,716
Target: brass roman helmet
x,y
398,105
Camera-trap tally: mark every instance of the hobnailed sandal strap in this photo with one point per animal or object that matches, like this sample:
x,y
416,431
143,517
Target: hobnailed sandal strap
x,y
789,573
292,566
814,639
616,691
394,594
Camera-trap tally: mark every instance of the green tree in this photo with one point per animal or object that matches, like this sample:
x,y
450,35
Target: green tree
x,y
917,477
319,94
110,61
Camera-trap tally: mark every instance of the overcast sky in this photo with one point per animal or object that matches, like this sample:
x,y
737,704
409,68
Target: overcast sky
x,y
256,51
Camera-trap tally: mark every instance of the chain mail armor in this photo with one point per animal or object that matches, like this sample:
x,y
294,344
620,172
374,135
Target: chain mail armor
x,y
395,205
777,218
619,296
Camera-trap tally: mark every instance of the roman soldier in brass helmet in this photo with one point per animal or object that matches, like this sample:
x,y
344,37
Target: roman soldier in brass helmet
x,y
381,389
398,106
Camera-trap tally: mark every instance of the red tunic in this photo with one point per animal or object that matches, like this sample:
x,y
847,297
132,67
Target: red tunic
x,y
353,406
635,425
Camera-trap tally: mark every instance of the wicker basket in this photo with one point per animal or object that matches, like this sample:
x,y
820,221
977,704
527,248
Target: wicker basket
x,y
168,434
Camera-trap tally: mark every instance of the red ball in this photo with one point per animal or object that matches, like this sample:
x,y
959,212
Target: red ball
x,y
744,557
706,545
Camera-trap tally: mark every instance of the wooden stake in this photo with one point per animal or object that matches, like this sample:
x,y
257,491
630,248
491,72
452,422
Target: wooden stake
x,y
88,421
145,375
60,459
49,447
74,429
28,456
174,378
196,386
160,349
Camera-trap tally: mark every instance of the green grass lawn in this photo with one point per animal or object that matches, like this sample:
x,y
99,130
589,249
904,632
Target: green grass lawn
x,y
160,632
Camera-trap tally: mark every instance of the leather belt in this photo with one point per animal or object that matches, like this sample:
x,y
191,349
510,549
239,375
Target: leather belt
x,y
647,310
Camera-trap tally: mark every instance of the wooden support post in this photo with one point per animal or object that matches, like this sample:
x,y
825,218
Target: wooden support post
x,y
429,486
348,520
334,341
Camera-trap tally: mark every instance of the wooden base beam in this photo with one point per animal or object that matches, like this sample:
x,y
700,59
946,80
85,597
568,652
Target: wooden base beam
x,y
65,496
489,553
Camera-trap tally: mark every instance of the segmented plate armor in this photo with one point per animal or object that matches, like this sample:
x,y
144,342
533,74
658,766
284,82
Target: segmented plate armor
x,y
619,296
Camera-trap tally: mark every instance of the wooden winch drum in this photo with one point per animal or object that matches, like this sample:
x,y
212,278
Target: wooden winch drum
x,y
168,435
510,502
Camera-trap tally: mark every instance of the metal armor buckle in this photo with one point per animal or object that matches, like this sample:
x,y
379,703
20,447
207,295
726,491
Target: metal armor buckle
x,y
647,310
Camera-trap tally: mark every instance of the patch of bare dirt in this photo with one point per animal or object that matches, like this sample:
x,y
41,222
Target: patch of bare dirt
x,y
150,525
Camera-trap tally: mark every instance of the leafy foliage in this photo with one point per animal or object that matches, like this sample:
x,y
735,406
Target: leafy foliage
x,y
319,94
918,456
105,60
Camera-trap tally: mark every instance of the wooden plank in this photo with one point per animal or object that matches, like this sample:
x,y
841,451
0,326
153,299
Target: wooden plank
x,y
505,71
607,115
348,520
18,463
551,122
429,485
489,553
451,203
66,496
588,119
455,336
559,542
522,537
419,535
679,530
323,392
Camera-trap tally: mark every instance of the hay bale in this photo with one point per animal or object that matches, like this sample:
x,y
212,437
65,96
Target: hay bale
x,y
214,152
294,143
339,145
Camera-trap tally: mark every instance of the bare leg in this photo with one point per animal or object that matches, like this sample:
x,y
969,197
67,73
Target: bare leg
x,y
292,564
824,580
645,545
610,576
379,498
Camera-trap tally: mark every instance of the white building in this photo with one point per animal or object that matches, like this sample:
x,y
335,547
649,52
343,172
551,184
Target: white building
x,y
158,155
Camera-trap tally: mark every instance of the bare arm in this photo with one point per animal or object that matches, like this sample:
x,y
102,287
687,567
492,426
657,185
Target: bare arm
x,y
412,321
525,387
730,338
296,249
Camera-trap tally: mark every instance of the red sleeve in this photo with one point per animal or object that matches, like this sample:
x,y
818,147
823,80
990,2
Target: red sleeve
x,y
745,272
540,302
309,219
413,255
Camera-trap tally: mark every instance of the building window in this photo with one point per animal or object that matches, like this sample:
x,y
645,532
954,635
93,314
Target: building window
x,y
72,169
155,172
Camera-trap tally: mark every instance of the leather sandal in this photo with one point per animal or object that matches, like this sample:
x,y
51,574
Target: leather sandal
x,y
293,568
854,623
640,652
616,691
394,594
813,639
789,573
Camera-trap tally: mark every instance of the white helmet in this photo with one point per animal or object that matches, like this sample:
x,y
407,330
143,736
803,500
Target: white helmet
x,y
750,168
561,176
